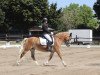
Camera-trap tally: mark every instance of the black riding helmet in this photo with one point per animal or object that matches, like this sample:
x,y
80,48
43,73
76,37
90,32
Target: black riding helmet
x,y
45,19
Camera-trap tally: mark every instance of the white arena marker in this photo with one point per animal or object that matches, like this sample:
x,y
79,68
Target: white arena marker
x,y
88,46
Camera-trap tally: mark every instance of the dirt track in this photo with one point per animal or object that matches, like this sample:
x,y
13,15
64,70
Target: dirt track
x,y
80,61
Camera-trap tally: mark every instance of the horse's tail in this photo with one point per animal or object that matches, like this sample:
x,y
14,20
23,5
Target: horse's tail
x,y
22,45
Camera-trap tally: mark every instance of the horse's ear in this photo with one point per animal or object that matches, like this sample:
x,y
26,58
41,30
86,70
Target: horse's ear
x,y
70,34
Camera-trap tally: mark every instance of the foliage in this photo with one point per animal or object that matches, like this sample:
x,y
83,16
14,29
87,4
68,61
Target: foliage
x,y
75,16
21,15
96,8
54,16
25,14
2,17
71,17
86,13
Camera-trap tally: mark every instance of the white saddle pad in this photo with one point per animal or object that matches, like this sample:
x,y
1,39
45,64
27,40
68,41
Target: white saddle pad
x,y
43,41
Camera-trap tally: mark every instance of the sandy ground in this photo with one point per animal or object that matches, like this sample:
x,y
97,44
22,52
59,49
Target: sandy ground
x,y
80,61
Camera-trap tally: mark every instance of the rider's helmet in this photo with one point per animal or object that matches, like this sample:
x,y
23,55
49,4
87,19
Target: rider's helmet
x,y
45,19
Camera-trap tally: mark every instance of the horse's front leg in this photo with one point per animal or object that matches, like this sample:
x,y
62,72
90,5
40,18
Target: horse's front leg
x,y
50,57
59,54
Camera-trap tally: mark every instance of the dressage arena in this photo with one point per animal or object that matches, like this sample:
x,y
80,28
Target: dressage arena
x,y
80,61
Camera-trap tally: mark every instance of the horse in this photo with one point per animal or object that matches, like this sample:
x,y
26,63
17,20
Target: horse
x,y
33,43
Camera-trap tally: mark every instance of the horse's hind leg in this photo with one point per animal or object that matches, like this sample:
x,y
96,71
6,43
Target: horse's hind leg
x,y
21,55
33,55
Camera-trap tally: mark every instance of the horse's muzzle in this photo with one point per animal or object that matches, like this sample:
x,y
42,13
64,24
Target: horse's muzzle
x,y
67,43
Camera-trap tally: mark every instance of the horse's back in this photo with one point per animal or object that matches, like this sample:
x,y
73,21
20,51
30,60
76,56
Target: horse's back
x,y
33,39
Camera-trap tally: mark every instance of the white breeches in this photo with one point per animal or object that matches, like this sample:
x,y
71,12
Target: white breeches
x,y
48,37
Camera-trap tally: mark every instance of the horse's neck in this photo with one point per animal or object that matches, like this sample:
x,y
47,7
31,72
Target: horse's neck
x,y
60,36
60,40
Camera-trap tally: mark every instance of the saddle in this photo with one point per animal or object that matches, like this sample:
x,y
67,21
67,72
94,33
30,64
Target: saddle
x,y
43,41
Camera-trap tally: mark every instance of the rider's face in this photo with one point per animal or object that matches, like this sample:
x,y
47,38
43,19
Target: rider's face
x,y
46,21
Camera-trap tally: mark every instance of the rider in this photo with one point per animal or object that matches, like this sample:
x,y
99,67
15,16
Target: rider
x,y
47,33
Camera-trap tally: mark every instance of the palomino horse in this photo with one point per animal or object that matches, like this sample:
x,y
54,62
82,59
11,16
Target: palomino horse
x,y
33,43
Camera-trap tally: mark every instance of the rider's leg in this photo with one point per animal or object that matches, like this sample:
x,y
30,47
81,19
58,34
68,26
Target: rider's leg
x,y
48,37
49,43
49,46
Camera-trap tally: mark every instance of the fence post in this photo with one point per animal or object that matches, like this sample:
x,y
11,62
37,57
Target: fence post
x,y
76,39
7,38
22,36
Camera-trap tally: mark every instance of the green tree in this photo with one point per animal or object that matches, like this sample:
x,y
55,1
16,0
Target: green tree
x,y
54,16
87,16
93,23
86,13
71,16
2,17
24,14
75,16
96,8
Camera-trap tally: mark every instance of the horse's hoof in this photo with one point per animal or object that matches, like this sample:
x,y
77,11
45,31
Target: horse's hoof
x,y
17,63
45,63
65,65
37,63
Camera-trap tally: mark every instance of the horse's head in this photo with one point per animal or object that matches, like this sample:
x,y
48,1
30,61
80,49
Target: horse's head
x,y
65,37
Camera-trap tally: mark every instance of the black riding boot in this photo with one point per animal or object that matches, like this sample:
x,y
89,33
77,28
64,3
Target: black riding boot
x,y
49,47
